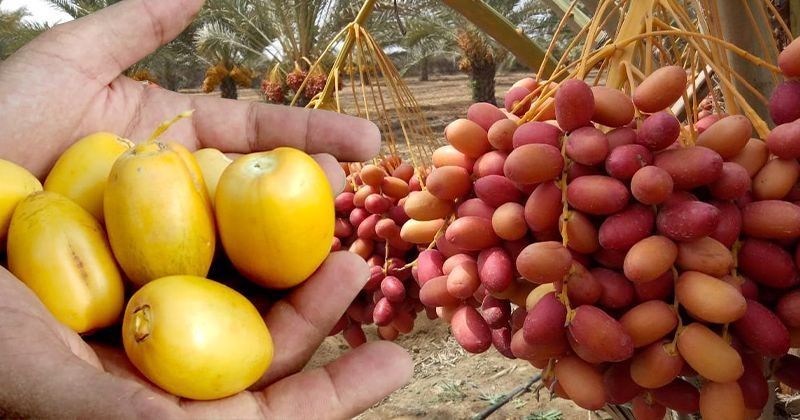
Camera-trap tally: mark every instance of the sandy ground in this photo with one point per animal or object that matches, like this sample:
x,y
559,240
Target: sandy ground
x,y
449,383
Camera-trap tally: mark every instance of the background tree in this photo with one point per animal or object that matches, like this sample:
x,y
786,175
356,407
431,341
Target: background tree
x,y
16,32
435,32
427,38
233,40
259,33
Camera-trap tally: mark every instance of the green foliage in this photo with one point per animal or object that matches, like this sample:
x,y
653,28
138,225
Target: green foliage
x,y
552,414
80,8
451,391
260,32
16,32
431,30
492,399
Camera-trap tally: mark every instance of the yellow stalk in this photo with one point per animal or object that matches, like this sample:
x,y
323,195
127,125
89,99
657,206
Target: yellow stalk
x,y
761,127
575,40
624,43
690,140
557,32
592,32
598,77
356,35
648,55
629,74
316,64
351,73
167,124
362,16
710,87
375,82
603,24
631,26
401,94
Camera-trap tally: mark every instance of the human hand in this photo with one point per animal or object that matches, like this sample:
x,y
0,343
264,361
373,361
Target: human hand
x,y
49,371
67,84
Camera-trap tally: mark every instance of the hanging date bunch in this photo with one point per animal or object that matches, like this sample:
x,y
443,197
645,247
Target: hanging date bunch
x,y
478,61
296,77
371,223
243,76
143,74
315,83
214,77
307,84
634,257
272,86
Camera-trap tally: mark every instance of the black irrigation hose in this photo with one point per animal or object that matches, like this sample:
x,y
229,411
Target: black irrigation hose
x,y
508,397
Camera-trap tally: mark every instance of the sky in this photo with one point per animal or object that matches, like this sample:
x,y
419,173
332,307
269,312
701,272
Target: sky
x,y
39,10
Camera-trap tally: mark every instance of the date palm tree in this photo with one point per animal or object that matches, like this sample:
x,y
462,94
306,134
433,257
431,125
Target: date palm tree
x,y
260,33
16,32
434,31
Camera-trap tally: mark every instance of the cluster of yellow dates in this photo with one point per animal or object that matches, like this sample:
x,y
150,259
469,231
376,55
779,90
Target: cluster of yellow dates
x,y
151,216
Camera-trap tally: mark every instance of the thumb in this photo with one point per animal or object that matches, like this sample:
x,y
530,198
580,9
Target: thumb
x,y
109,41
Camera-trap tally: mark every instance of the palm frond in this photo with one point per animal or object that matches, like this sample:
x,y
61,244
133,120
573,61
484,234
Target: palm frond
x,y
80,8
15,32
67,6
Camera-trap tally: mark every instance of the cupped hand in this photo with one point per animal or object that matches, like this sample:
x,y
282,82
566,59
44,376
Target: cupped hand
x,y
67,84
49,371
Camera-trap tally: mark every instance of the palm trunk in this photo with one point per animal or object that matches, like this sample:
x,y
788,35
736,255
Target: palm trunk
x,y
482,80
228,88
172,81
738,29
364,77
424,69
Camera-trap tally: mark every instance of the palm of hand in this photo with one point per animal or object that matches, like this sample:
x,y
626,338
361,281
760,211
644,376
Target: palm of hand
x,y
50,370
46,355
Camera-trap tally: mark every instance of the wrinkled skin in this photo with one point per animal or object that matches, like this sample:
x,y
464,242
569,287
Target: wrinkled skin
x,y
67,84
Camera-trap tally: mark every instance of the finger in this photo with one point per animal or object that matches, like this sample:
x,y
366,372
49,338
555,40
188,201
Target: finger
x,y
332,170
120,35
343,388
242,127
300,322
